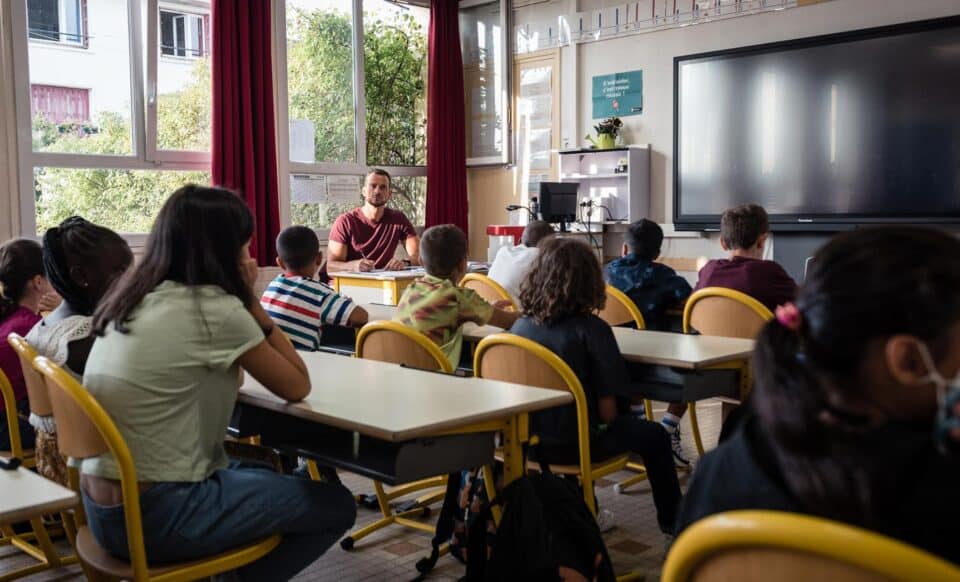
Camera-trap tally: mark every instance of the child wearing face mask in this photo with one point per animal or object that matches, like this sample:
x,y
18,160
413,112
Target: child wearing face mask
x,y
850,382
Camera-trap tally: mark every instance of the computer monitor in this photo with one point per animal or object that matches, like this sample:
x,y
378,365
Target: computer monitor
x,y
558,202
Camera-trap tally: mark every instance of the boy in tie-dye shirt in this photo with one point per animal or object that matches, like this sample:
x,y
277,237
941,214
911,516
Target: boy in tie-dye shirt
x,y
435,305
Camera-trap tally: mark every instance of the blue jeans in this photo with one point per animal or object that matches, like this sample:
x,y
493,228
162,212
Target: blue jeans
x,y
233,507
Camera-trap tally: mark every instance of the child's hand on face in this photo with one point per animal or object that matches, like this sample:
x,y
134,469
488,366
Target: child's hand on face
x,y
249,271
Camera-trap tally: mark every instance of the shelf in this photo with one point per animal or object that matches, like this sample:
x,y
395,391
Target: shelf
x,y
594,176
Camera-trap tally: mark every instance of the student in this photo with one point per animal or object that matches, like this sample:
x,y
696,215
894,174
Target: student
x,y
82,260
174,333
511,264
559,298
22,284
435,305
652,286
847,382
743,234
299,303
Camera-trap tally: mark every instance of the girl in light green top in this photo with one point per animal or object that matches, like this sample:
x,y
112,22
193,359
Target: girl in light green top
x,y
173,335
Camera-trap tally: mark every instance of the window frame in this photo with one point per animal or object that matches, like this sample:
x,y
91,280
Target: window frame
x,y
144,155
192,22
287,167
61,18
506,97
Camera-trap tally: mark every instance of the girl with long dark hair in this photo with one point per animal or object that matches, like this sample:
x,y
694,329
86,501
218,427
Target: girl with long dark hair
x,y
22,284
846,398
174,333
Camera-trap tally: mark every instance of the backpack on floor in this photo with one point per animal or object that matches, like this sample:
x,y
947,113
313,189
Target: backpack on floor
x,y
545,525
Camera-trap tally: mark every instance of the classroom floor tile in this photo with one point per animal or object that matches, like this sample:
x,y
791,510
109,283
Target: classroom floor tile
x,y
635,543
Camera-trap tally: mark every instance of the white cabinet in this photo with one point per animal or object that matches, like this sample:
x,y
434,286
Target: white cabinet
x,y
618,179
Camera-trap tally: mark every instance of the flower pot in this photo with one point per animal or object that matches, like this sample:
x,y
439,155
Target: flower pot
x,y
605,141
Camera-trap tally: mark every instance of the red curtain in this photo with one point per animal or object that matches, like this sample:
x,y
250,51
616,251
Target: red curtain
x,y
244,139
446,146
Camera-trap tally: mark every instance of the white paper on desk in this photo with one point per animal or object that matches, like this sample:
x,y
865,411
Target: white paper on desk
x,y
343,189
308,189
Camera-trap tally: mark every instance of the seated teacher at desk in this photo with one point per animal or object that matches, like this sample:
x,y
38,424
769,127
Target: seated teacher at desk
x,y
366,238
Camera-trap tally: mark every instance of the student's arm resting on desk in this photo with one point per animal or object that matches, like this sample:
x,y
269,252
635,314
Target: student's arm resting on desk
x,y
275,363
503,319
358,317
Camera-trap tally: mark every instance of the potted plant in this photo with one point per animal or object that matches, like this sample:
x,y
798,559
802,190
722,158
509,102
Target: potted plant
x,y
607,131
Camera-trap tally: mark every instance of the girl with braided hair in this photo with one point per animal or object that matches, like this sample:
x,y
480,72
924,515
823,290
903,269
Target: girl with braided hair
x,y
22,284
82,260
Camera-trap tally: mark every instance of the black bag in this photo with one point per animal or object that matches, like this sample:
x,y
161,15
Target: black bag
x,y
545,525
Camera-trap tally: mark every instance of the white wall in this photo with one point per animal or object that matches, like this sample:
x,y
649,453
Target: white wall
x,y
654,53
103,67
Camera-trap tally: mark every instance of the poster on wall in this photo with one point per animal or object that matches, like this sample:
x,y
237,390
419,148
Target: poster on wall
x,y
619,94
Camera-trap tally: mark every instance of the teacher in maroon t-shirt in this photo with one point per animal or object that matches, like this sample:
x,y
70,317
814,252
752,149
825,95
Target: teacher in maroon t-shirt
x,y
366,238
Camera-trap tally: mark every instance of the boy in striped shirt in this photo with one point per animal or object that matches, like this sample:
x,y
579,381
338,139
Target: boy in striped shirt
x,y
299,303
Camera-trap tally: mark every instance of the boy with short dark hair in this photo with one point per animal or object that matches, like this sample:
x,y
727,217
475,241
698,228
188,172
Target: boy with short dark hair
x,y
743,233
299,303
652,286
435,305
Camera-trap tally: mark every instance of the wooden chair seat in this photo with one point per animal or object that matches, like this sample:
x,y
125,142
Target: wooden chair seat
x,y
93,554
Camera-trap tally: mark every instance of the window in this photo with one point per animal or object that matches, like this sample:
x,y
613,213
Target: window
x,y
115,130
484,44
354,101
57,20
183,35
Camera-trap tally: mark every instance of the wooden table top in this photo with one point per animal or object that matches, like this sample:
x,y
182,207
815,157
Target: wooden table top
x,y
26,495
411,273
680,350
393,403
641,346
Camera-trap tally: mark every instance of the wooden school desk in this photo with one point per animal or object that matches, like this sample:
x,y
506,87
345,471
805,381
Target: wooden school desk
x,y
27,495
425,423
24,495
374,286
384,287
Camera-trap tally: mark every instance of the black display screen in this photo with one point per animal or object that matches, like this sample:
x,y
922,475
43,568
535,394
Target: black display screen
x,y
849,128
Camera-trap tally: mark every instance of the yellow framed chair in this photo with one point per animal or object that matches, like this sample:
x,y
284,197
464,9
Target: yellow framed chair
x,y
729,313
619,309
487,288
512,358
390,341
85,430
13,427
754,546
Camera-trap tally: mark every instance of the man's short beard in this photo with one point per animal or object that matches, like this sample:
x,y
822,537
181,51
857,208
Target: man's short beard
x,y
379,204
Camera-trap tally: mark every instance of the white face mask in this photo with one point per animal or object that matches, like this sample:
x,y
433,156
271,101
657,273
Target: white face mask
x,y
948,394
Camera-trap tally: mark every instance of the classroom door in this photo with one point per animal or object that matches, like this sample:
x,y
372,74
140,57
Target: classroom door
x,y
536,121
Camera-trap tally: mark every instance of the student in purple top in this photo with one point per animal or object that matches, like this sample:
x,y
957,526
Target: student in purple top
x,y
743,234
22,284
366,238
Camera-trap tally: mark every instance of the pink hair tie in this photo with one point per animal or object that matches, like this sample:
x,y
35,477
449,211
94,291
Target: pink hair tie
x,y
789,316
